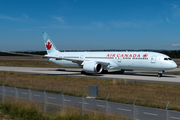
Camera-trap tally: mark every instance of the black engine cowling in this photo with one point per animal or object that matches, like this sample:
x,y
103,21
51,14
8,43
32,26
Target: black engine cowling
x,y
92,67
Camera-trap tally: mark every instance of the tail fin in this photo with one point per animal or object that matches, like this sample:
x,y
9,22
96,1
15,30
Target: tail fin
x,y
49,45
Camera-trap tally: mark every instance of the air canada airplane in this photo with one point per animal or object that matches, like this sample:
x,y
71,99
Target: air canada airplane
x,y
100,62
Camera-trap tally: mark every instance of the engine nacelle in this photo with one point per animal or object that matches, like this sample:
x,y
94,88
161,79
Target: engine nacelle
x,y
92,67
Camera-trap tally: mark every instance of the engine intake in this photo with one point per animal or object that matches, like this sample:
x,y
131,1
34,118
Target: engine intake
x,y
92,67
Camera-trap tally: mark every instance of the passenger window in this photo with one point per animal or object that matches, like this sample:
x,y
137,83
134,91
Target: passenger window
x,y
165,58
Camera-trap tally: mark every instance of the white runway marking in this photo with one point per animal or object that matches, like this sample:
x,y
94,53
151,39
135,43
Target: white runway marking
x,y
150,113
175,118
123,109
84,103
37,95
51,97
67,100
101,106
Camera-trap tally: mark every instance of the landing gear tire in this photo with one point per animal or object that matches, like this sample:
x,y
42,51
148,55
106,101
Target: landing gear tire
x,y
159,75
121,71
83,72
104,71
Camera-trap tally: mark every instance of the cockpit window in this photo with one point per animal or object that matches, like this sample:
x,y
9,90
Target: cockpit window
x,y
167,59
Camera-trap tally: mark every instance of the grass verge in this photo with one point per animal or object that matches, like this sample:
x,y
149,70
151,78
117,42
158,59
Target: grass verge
x,y
149,94
19,61
26,110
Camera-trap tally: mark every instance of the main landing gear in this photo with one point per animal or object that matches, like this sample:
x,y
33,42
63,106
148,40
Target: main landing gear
x,y
121,71
104,71
83,72
160,73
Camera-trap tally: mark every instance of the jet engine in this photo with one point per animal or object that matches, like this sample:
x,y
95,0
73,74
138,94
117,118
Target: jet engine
x,y
92,67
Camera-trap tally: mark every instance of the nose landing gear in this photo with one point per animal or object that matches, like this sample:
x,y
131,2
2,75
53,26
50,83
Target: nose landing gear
x,y
160,73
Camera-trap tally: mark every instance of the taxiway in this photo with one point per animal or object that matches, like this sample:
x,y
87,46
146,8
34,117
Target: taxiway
x,y
113,74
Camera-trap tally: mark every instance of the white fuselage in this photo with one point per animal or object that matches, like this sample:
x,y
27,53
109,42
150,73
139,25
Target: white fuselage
x,y
149,61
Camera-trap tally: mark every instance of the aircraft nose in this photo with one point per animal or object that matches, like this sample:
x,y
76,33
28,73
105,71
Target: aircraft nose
x,y
174,65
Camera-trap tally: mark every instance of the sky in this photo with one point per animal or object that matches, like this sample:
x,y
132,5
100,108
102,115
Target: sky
x,y
90,24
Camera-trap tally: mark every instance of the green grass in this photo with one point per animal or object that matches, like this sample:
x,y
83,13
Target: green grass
x,y
148,94
27,62
19,111
26,110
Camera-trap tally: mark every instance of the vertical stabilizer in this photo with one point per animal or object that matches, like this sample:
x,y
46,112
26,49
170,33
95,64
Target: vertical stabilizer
x,y
49,45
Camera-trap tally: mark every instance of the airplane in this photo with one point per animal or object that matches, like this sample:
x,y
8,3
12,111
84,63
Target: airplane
x,y
101,62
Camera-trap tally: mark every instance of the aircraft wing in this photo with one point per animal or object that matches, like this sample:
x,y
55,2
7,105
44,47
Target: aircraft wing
x,y
81,62
78,61
33,55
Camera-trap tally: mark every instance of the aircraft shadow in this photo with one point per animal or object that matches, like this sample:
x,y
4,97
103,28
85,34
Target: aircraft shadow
x,y
140,74
60,70
76,72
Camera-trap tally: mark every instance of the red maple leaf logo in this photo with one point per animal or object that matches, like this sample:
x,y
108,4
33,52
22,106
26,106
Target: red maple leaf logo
x,y
145,55
48,46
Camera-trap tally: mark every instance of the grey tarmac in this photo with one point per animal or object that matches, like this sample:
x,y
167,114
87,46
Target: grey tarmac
x,y
138,76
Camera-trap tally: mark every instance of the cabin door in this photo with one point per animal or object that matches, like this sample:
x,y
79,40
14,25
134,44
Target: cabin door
x,y
82,57
119,59
153,59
